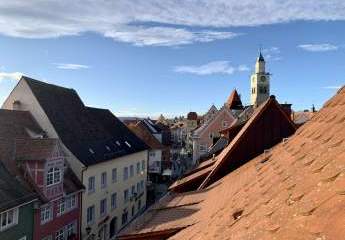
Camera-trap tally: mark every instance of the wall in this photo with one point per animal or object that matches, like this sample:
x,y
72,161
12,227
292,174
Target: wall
x,y
24,227
90,199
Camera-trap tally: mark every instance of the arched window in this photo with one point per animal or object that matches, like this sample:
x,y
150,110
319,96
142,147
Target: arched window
x,y
53,176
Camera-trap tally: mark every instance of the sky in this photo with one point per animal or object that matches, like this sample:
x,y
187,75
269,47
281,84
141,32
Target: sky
x,y
152,57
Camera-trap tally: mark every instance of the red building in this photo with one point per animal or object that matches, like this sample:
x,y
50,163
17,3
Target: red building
x,y
40,163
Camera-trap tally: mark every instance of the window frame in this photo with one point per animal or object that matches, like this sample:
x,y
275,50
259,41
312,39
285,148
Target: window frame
x,y
44,210
55,175
103,180
15,215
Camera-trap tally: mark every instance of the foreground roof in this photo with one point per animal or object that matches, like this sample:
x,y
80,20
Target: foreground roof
x,y
294,191
92,135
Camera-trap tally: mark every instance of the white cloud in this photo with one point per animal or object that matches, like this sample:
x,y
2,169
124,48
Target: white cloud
x,y
323,47
216,67
150,22
332,87
10,76
272,54
166,36
71,66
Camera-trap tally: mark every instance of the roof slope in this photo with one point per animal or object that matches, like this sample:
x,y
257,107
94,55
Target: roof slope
x,y
82,128
17,123
34,149
268,126
234,101
297,192
141,130
12,192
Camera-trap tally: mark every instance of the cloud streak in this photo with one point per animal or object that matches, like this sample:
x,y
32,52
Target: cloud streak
x,y
332,87
156,22
215,67
71,66
323,47
10,76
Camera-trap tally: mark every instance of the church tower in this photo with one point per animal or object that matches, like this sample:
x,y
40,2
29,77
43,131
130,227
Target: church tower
x,y
260,82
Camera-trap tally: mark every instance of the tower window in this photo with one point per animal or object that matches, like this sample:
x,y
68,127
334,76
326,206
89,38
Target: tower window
x,y
262,78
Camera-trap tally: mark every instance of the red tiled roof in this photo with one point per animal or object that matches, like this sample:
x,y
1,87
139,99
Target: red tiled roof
x,y
145,135
268,125
295,193
234,101
35,149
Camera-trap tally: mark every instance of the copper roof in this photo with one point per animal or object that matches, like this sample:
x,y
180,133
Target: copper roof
x,y
296,191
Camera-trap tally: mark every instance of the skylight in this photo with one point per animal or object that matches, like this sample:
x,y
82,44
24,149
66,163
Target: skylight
x,y
108,148
118,143
127,143
91,151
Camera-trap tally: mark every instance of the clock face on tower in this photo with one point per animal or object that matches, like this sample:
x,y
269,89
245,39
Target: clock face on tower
x,y
262,78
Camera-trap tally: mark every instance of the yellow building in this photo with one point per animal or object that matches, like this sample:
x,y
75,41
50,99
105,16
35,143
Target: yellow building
x,y
108,158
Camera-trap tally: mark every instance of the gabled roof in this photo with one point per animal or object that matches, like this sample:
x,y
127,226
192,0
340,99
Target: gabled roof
x,y
92,135
141,130
269,125
296,191
234,101
12,192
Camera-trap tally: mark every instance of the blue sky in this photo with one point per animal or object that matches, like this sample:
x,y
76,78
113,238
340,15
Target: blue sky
x,y
144,58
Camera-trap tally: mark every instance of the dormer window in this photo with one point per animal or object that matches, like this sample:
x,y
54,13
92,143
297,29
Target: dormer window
x,y
128,145
53,176
118,143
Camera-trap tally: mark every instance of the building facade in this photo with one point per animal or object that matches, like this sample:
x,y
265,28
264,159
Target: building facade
x,y
16,208
108,159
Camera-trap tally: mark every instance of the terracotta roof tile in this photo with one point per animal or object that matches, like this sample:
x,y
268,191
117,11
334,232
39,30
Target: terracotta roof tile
x,y
296,191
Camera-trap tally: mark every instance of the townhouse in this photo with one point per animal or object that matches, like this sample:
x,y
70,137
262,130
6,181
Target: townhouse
x,y
16,208
108,159
39,162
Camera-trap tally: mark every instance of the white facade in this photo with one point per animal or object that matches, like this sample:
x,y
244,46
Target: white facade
x,y
155,161
100,225
260,83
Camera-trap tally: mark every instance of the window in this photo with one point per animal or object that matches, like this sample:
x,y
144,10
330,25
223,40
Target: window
x,y
53,176
131,171
91,185
142,187
103,207
125,196
143,165
133,190
59,235
133,211
152,154
113,200
138,187
139,204
128,144
67,204
46,214
202,147
104,180
90,216
114,175
70,229
125,173
9,219
124,218
138,167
